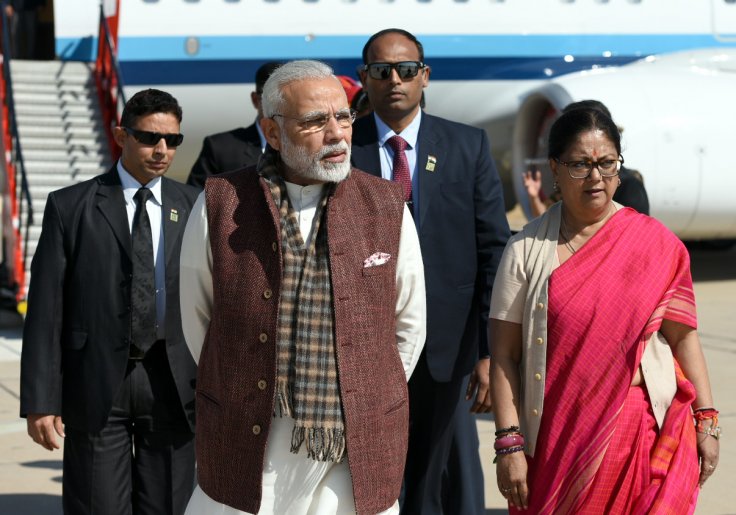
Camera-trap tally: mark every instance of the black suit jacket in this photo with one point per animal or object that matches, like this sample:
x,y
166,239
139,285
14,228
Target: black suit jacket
x,y
225,152
77,329
462,232
631,192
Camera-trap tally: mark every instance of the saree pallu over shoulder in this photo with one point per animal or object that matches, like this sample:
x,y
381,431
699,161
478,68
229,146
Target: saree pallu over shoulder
x,y
604,304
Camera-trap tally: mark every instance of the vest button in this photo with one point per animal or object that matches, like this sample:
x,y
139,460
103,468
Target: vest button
x,y
262,384
534,412
540,341
263,337
256,429
538,377
275,246
540,305
267,294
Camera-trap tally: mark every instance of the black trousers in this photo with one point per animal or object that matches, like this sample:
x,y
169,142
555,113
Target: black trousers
x,y
443,473
142,462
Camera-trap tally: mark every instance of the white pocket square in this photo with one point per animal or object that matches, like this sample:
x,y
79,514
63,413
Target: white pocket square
x,y
379,258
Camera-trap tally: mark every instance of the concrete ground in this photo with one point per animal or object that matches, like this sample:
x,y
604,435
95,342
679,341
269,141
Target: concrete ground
x,y
30,477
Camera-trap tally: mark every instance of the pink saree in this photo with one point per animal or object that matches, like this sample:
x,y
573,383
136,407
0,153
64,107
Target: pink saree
x,y
599,450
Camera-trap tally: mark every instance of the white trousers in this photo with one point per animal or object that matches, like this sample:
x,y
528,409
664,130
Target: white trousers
x,y
292,483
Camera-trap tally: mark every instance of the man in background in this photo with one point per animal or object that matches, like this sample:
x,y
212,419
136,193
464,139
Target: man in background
x,y
236,148
454,191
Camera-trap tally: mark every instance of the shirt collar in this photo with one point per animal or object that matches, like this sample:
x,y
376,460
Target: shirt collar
x,y
410,133
261,135
131,185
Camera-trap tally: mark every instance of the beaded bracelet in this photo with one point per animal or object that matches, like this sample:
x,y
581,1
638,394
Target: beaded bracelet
x,y
508,450
504,442
506,430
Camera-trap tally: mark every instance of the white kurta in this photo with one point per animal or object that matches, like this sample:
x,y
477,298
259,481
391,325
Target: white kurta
x,y
287,475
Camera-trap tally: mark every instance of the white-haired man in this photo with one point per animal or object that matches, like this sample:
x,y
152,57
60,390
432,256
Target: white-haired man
x,y
306,316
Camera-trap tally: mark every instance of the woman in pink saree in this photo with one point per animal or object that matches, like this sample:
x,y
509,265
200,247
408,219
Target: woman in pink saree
x,y
600,390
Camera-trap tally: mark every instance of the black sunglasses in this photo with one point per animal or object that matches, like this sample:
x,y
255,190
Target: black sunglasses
x,y
152,138
405,69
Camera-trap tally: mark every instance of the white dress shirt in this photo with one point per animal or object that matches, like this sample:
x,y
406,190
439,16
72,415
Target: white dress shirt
x,y
153,207
261,136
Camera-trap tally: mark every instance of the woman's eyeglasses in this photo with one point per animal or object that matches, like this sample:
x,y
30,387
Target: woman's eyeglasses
x,y
583,169
152,138
405,69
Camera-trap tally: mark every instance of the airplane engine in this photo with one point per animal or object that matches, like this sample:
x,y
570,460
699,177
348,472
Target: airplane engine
x,y
676,114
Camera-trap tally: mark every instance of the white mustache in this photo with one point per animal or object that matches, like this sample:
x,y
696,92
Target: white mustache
x,y
330,149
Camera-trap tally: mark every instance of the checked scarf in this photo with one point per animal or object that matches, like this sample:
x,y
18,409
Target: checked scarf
x,y
307,384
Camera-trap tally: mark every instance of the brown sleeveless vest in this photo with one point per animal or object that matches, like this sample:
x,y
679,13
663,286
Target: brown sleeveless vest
x,y
237,368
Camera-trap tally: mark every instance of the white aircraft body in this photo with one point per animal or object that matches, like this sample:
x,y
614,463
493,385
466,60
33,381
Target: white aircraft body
x,y
665,68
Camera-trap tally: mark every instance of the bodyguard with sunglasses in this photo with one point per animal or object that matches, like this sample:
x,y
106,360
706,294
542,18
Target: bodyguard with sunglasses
x,y
104,362
453,189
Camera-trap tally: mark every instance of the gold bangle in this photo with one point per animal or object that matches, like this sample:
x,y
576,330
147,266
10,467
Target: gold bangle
x,y
715,432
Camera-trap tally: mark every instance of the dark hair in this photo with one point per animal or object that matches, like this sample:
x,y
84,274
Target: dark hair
x,y
263,73
589,104
149,101
383,32
573,123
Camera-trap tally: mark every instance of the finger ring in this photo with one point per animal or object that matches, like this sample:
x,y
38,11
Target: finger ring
x,y
505,490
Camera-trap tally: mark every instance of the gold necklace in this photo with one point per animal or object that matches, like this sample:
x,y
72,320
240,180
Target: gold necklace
x,y
565,238
564,233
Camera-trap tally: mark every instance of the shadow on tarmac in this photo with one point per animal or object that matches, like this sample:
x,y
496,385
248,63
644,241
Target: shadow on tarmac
x,y
44,464
30,504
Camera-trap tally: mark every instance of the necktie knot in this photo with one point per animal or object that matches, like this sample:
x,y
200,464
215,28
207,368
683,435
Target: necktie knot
x,y
142,195
397,143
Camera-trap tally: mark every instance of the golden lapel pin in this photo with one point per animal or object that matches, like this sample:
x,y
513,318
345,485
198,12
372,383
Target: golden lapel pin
x,y
174,215
431,162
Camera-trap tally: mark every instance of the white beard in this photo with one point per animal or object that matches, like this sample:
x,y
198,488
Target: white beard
x,y
310,166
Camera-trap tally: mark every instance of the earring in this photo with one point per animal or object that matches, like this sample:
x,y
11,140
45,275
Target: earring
x,y
619,182
556,186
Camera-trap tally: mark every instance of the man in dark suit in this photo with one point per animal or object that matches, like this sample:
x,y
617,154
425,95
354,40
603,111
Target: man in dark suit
x,y
455,193
237,148
104,361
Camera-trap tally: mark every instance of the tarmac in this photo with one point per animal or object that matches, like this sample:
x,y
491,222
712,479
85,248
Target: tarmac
x,y
30,476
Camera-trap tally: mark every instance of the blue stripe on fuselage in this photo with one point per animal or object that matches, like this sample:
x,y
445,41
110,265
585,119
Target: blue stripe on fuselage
x,y
211,48
234,59
240,71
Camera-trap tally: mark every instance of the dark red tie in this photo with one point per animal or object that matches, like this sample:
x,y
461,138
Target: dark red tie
x,y
401,165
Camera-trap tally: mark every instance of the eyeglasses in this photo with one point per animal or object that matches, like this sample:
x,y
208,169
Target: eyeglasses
x,y
316,122
583,169
152,138
405,69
